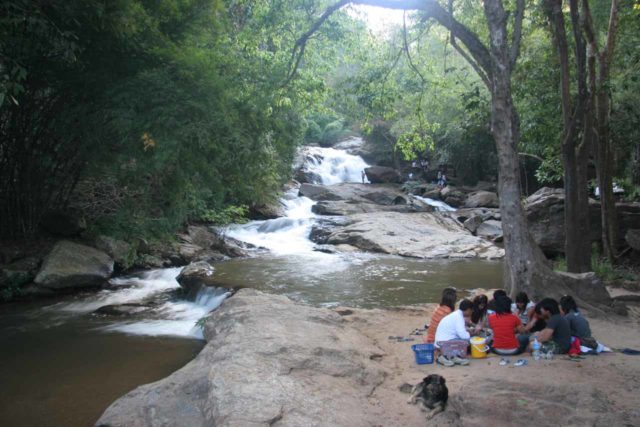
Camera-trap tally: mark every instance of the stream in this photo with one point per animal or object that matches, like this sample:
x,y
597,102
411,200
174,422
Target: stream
x,y
62,363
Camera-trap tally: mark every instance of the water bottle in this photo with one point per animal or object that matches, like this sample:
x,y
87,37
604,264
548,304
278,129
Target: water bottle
x,y
536,349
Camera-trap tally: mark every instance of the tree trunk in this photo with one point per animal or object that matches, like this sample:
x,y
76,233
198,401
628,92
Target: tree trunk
x,y
574,153
526,266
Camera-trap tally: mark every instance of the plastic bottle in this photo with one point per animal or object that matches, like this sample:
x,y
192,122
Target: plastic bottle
x,y
536,349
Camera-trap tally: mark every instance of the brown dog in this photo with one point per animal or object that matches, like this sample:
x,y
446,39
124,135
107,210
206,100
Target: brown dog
x,y
432,393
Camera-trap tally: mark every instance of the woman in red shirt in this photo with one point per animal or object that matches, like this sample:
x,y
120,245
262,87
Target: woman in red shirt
x,y
505,325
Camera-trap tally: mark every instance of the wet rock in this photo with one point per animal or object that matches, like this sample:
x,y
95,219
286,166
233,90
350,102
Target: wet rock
x,y
70,265
262,366
304,176
20,272
473,223
633,239
63,223
384,198
419,235
318,192
147,261
382,175
484,199
130,309
454,198
195,275
267,211
123,253
211,243
350,208
490,229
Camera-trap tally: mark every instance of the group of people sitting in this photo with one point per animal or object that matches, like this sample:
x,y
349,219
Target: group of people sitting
x,y
510,327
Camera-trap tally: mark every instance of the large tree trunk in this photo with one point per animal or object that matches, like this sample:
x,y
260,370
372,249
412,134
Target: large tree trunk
x,y
574,152
598,80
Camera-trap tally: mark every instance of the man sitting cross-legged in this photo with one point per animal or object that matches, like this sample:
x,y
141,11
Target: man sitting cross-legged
x,y
452,338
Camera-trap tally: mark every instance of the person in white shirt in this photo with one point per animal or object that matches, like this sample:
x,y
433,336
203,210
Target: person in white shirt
x,y
452,337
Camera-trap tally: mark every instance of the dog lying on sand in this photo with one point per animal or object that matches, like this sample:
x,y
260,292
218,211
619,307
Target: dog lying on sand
x,y
432,393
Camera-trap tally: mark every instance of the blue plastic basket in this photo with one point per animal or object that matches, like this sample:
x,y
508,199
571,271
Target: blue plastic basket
x,y
424,353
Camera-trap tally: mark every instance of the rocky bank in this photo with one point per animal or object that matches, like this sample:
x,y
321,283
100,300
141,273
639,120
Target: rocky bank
x,y
269,361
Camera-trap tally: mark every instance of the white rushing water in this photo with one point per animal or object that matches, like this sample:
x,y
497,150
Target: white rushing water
x,y
289,235
172,317
438,204
333,166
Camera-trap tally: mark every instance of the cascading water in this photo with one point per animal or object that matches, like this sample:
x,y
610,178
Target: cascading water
x,y
333,166
172,316
289,235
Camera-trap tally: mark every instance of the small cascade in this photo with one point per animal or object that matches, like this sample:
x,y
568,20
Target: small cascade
x,y
438,204
169,316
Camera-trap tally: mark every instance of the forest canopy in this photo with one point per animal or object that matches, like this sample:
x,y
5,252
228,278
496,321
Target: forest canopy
x,y
148,114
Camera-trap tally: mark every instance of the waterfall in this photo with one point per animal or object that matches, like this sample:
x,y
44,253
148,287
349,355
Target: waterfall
x,y
332,166
173,316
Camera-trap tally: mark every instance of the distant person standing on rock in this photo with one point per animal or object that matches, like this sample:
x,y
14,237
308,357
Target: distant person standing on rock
x,y
364,175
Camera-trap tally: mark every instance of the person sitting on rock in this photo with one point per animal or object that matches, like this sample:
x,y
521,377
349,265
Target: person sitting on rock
x,y
447,305
505,325
479,315
452,338
556,336
577,323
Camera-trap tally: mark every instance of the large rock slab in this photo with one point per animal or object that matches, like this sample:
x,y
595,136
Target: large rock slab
x,y
545,216
71,265
482,199
418,235
382,175
342,208
267,361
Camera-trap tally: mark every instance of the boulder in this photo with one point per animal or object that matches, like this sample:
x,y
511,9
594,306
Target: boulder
x,y
382,175
305,176
123,253
266,211
63,223
454,198
70,265
21,271
129,309
484,199
473,223
633,239
349,208
318,192
212,243
491,230
418,235
261,366
147,261
195,275
384,198
545,216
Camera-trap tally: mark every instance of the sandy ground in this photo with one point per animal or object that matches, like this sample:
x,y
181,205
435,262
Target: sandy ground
x,y
600,390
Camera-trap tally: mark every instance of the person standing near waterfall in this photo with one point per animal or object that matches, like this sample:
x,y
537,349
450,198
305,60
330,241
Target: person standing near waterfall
x,y
364,175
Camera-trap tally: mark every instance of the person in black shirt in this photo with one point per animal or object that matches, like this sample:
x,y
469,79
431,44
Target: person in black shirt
x,y
556,336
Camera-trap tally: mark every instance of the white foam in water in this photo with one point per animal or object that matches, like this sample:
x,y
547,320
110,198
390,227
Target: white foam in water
x,y
175,317
135,289
334,166
180,316
283,236
438,204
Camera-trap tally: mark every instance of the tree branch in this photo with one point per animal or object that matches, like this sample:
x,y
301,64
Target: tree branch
x,y
474,64
517,32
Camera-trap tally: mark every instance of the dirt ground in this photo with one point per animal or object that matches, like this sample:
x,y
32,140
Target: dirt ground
x,y
601,390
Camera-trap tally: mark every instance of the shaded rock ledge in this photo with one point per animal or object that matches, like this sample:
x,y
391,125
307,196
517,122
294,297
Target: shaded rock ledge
x,y
267,361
